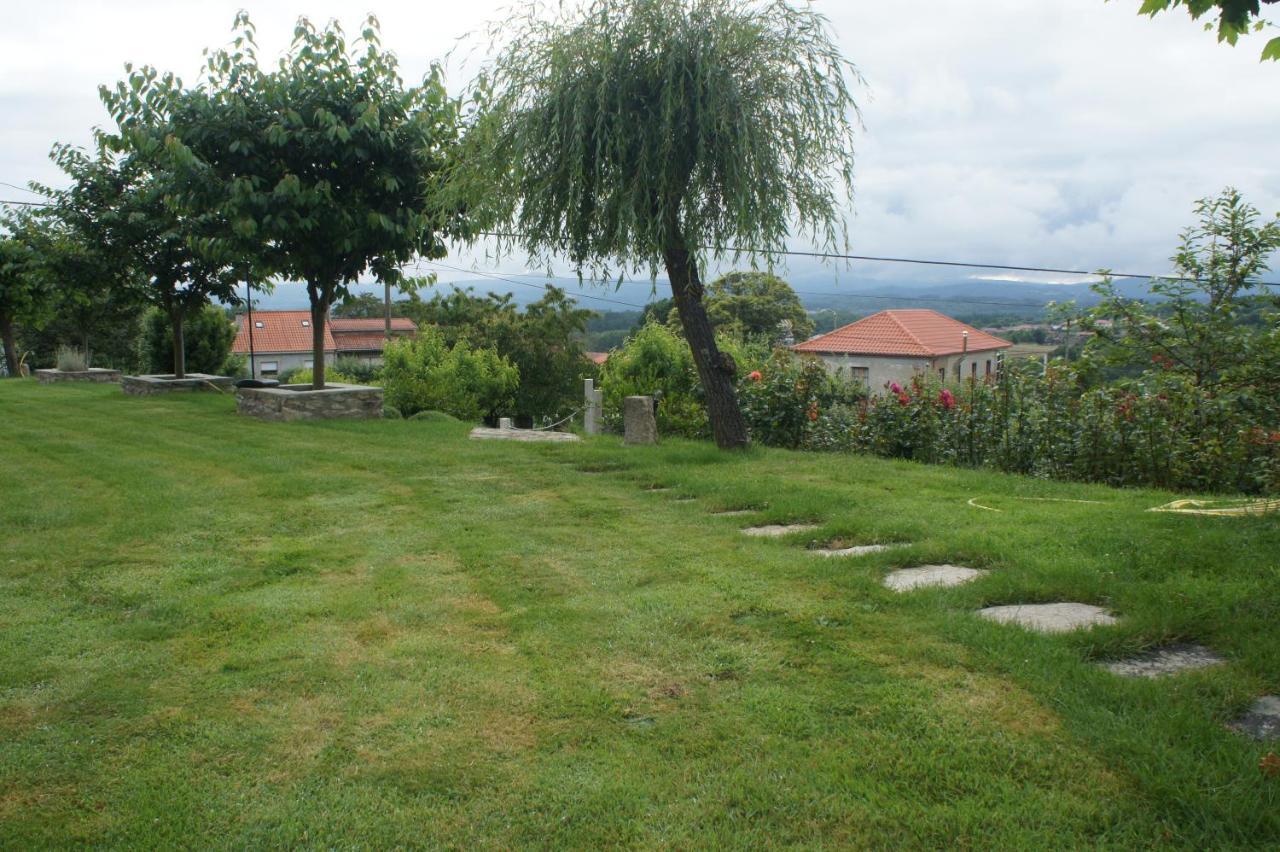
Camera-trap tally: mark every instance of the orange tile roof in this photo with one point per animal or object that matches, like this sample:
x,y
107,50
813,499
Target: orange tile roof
x,y
280,331
913,332
340,325
597,357
368,335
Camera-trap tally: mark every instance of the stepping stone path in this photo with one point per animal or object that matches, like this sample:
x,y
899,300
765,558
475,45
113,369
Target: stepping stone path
x,y
906,579
1049,618
777,530
525,435
734,513
858,550
1165,661
1262,722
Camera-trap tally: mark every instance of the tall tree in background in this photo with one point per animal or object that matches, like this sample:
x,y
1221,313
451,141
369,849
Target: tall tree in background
x,y
757,305
639,133
24,294
1235,18
325,165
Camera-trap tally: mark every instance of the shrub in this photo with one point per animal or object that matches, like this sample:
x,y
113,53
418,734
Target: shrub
x,y
357,369
70,360
304,376
390,412
424,374
434,417
784,399
207,336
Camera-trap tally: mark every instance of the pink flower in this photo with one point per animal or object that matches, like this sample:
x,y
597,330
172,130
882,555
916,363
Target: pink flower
x,y
895,388
755,376
947,398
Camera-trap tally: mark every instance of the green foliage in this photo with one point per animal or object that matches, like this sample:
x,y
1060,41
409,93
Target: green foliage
x,y
304,376
785,398
207,337
757,305
434,417
25,294
1235,18
653,361
543,341
323,165
68,359
367,306
1196,330
425,373
390,412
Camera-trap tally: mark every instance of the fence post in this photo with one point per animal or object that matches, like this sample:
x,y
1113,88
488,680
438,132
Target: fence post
x,y
593,409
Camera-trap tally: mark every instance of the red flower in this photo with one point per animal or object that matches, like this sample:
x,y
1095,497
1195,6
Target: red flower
x,y
895,388
903,399
813,411
754,376
947,399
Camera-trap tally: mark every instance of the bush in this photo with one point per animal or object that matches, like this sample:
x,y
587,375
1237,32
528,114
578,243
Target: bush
x,y
783,400
390,412
304,376
423,374
360,371
70,360
207,336
434,417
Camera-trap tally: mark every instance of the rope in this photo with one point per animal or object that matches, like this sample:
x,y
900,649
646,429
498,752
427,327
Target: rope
x,y
572,415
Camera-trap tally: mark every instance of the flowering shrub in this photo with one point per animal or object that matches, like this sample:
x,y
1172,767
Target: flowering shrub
x,y
1159,430
783,401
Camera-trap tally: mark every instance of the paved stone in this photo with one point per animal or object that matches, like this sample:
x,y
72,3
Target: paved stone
x,y
1049,618
734,513
777,530
480,433
1262,722
906,579
1165,661
857,550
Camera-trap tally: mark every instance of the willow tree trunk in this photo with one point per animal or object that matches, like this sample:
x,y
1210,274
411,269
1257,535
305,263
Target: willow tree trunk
x,y
10,345
716,370
319,308
179,344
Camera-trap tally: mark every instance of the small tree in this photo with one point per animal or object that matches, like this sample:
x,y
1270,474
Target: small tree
x,y
208,335
24,294
1194,327
757,305
643,132
325,166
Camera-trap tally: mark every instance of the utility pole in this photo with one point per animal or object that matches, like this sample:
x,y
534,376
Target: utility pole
x,y
387,305
248,289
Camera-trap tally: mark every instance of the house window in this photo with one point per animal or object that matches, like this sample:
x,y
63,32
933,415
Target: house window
x,y
973,370
859,375
942,373
988,366
306,323
308,365
258,324
270,368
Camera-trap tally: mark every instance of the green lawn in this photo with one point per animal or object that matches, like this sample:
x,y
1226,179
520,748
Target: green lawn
x,y
219,632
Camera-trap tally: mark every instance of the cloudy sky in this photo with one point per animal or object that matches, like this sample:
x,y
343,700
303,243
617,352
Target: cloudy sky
x,y
1063,133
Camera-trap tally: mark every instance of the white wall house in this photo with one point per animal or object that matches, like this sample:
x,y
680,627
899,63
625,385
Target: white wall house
x,y
282,340
892,346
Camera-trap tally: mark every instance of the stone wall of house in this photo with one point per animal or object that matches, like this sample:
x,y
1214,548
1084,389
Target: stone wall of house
x,y
299,402
879,370
283,361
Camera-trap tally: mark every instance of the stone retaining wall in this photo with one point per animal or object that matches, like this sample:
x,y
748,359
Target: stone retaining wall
x,y
93,374
150,385
300,402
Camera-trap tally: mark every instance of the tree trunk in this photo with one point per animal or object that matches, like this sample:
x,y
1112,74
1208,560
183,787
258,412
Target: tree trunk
x,y
10,345
179,345
715,369
319,308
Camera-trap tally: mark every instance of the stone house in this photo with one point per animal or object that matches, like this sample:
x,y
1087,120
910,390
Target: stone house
x,y
894,345
281,340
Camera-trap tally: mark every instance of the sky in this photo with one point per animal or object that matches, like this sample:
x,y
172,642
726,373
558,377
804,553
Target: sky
x,y
1059,133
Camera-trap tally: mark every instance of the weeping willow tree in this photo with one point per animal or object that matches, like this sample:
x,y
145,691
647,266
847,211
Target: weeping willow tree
x,y
631,134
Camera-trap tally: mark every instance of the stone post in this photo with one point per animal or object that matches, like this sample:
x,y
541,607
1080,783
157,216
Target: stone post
x,y
505,423
639,425
593,409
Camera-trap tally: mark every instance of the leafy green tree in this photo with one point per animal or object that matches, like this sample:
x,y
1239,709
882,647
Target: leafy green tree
x,y
425,373
543,341
24,293
120,203
1235,18
757,305
208,337
366,306
1195,329
325,164
638,133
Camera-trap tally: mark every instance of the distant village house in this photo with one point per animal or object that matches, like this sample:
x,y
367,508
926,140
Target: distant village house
x,y
892,346
282,340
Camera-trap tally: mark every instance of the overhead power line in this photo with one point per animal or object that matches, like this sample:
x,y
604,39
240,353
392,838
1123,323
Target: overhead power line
x,y
21,188
26,203
525,283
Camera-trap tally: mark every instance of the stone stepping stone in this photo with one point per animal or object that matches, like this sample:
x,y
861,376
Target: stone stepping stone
x,y
906,579
857,550
1049,618
1262,722
1165,661
777,530
734,513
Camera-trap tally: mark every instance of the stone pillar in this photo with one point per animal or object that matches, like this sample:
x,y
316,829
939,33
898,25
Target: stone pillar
x,y
639,426
593,409
505,423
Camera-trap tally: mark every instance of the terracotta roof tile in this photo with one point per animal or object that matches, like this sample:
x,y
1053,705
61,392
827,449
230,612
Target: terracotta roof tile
x,y
340,325
911,332
279,331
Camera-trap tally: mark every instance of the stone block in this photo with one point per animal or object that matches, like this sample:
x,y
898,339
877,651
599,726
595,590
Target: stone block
x,y
97,375
157,384
335,401
639,425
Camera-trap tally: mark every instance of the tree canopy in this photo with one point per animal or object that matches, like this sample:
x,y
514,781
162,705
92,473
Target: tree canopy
x,y
757,305
325,166
1235,18
647,133
24,293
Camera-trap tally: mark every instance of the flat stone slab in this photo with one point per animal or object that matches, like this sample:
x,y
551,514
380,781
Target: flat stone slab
x,y
480,433
906,579
1049,618
1262,722
1165,661
856,550
734,513
93,374
777,530
157,384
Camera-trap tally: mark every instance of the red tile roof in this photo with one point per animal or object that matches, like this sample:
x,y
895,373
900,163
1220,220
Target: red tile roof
x,y
280,331
402,324
368,335
597,357
913,332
